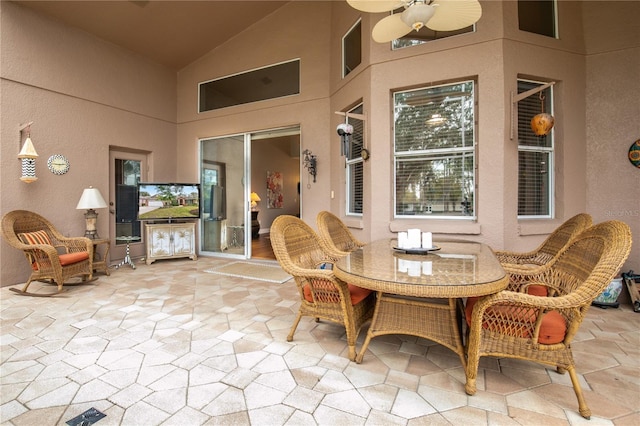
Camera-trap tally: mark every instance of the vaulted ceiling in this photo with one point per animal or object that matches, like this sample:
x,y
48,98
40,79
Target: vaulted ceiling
x,y
172,33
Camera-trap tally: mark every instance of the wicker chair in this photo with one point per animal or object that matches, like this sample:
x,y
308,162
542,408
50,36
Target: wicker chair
x,y
322,295
554,243
523,326
336,238
51,256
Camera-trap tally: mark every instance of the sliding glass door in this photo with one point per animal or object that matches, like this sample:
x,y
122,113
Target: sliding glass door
x,y
239,200
223,166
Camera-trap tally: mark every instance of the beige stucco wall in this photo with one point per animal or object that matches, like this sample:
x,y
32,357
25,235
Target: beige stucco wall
x,y
613,116
84,96
277,38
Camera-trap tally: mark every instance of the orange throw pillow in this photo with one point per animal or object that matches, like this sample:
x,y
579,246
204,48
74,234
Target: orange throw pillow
x,y
35,237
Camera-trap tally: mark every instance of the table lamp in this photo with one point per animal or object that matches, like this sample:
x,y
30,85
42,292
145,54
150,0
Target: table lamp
x,y
91,199
254,201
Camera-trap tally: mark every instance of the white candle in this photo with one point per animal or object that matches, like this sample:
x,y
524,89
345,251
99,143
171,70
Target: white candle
x,y
413,269
414,238
427,240
402,265
402,240
427,268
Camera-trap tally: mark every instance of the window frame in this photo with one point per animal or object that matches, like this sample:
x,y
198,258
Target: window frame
x,y
353,163
536,6
267,72
344,71
466,152
523,125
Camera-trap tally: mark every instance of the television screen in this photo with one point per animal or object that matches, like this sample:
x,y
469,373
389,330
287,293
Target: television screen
x,y
168,201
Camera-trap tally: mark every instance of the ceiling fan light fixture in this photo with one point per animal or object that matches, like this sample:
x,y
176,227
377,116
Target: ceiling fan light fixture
x,y
417,15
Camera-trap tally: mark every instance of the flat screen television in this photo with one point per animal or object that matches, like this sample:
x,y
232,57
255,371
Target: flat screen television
x,y
168,201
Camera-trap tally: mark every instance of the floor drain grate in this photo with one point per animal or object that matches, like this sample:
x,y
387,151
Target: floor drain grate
x,y
87,418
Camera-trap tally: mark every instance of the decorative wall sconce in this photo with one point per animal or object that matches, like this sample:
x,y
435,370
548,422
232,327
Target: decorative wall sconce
x,y
310,163
345,130
91,199
28,156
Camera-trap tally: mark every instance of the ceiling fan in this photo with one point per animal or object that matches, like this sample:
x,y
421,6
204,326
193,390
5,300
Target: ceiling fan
x,y
438,15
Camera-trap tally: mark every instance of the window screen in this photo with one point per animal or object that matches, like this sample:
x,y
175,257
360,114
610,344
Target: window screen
x,y
535,155
435,151
355,164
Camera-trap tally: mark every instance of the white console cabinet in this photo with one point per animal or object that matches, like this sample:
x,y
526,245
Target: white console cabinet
x,y
170,241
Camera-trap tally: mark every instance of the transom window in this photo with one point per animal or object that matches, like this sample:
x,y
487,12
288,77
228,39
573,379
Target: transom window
x,y
535,155
274,81
537,16
434,151
352,49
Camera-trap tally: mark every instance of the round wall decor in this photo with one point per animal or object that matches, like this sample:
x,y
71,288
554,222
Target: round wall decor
x,y
634,153
58,164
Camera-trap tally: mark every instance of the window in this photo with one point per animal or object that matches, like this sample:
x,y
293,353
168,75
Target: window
x,y
434,151
270,82
127,176
355,164
535,155
537,16
425,34
352,49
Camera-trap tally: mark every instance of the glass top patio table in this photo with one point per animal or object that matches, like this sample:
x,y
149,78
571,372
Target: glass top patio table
x,y
457,269
419,294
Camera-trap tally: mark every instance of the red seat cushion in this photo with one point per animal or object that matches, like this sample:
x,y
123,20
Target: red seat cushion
x,y
358,294
537,290
71,258
552,329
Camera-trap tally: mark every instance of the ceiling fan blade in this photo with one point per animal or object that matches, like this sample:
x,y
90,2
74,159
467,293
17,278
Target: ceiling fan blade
x,y
454,14
376,6
390,28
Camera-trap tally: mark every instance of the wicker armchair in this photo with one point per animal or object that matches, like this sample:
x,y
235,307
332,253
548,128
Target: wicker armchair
x,y
50,254
554,243
336,238
524,326
322,295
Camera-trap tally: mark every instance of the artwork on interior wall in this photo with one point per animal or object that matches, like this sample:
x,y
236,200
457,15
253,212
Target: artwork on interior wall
x,y
274,190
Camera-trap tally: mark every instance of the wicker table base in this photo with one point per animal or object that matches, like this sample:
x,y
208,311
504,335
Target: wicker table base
x,y
418,294
433,319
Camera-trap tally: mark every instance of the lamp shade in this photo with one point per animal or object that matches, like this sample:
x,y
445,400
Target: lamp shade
x,y
255,197
91,199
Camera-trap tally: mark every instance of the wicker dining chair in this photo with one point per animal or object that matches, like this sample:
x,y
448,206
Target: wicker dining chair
x,y
550,247
335,236
51,255
541,329
322,296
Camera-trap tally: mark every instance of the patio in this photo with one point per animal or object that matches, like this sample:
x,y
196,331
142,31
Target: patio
x,y
169,344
